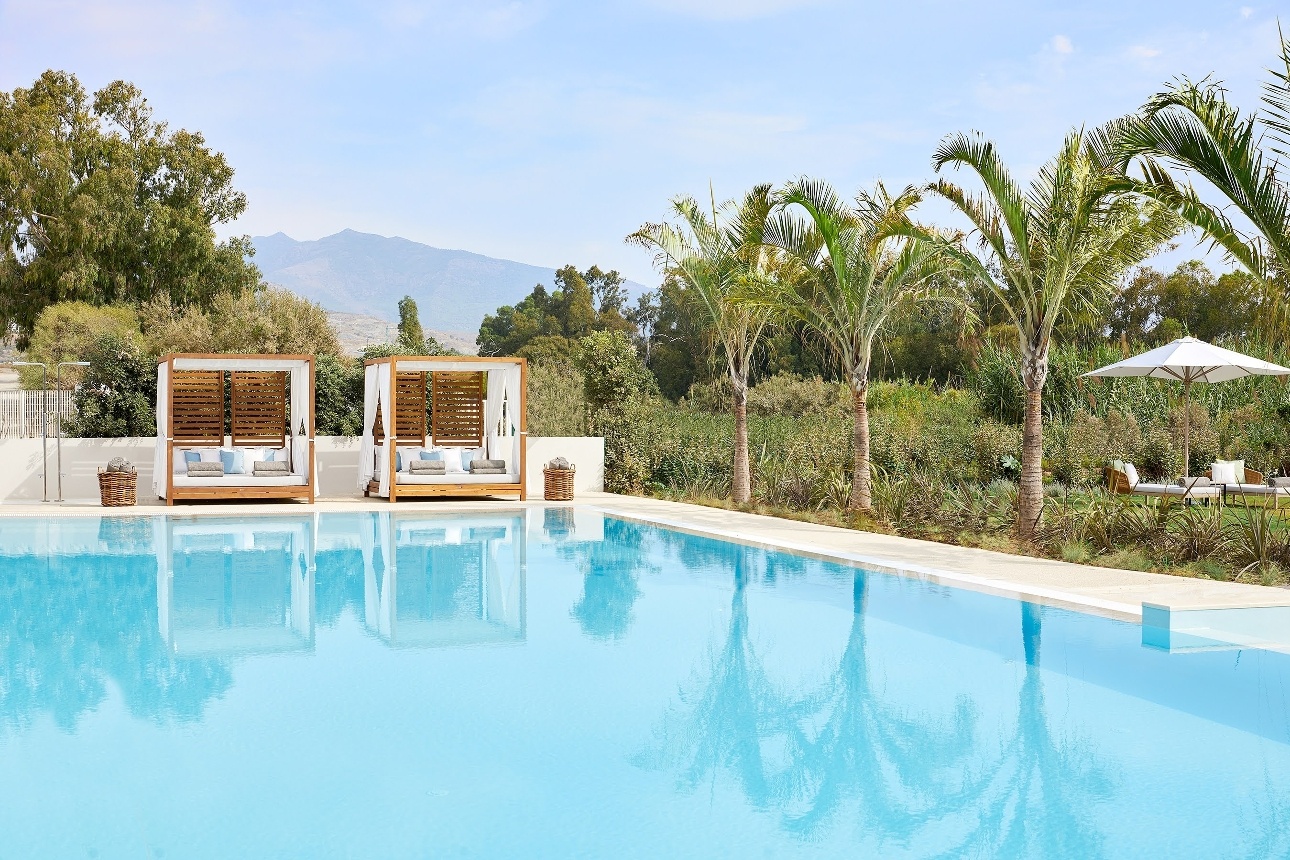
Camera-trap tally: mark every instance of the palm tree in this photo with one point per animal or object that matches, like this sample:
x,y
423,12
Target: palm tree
x,y
716,254
1191,126
1055,248
851,268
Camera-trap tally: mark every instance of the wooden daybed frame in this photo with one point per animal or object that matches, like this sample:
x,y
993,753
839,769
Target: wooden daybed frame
x,y
194,416
452,415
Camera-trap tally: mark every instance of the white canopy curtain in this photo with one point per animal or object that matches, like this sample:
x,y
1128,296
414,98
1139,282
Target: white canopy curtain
x,y
299,370
503,433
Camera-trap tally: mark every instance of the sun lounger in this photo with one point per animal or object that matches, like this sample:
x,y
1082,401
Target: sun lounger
x,y
1121,481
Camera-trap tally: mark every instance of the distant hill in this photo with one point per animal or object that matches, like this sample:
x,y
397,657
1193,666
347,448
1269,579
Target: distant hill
x,y
356,331
366,274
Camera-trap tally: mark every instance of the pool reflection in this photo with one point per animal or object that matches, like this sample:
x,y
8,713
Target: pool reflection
x,y
430,581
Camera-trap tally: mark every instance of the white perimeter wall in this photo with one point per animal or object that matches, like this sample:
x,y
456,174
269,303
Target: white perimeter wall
x,y
20,466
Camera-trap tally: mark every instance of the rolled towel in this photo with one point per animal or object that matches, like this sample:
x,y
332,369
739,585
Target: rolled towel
x,y
559,463
274,466
1279,482
203,469
487,465
428,467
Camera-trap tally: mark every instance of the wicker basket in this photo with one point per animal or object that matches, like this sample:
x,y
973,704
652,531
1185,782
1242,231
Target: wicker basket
x,y
558,485
117,489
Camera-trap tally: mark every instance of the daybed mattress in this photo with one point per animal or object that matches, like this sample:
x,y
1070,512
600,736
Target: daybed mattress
x,y
457,478
240,481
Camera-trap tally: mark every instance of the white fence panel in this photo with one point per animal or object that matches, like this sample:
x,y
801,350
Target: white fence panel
x,y
21,412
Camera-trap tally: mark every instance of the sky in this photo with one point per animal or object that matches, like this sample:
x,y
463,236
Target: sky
x,y
546,131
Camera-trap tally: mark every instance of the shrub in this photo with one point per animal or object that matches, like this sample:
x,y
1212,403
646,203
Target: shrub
x,y
557,404
116,396
67,331
338,396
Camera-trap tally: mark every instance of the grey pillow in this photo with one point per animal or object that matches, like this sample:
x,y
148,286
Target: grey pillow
x,y
271,466
205,470
428,467
487,466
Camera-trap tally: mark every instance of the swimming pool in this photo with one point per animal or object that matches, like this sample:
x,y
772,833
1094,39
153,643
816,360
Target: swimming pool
x,y
554,683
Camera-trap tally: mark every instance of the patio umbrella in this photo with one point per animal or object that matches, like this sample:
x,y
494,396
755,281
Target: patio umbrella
x,y
1189,360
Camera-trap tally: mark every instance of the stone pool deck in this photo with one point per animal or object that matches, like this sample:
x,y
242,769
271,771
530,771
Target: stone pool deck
x,y
1194,606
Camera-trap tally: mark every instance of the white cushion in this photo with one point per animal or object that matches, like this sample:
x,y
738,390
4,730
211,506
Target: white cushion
x,y
1131,472
1224,472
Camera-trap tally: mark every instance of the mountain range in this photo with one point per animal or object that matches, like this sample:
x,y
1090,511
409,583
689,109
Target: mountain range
x,y
366,275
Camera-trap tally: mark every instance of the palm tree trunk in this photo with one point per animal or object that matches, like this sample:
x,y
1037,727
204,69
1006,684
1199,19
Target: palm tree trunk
x,y
861,491
741,478
1030,494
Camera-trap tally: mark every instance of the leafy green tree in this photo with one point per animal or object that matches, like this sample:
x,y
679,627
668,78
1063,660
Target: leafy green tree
x,y
580,303
617,386
715,257
410,331
117,394
1048,251
854,269
101,203
338,396
1154,307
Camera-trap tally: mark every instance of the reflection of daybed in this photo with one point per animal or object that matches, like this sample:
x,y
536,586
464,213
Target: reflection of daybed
x,y
269,419
465,412
434,581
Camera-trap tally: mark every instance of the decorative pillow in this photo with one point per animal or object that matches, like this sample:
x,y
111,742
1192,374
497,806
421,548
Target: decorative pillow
x,y
191,457
1224,472
1131,472
433,456
233,460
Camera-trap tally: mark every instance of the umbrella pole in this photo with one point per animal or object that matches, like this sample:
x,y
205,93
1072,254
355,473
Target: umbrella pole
x,y
1186,428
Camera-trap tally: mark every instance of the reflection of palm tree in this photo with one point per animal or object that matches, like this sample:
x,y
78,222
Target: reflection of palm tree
x,y
1039,795
735,712
869,752
610,571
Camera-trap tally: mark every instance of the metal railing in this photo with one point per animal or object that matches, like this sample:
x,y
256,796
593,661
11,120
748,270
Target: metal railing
x,y
20,412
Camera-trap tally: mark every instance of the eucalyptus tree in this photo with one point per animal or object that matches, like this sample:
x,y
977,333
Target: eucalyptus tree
x,y
1192,127
849,269
1056,248
717,254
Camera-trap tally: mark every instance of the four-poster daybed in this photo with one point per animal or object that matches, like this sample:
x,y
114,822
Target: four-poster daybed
x,y
269,419
466,412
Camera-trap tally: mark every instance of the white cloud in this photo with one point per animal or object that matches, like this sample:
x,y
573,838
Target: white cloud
x,y
1247,11
1062,44
727,10
1143,52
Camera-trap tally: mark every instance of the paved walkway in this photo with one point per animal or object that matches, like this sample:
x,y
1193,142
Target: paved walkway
x,y
1102,590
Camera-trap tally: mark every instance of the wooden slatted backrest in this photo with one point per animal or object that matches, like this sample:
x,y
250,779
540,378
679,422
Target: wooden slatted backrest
x,y
259,407
410,403
197,406
458,407
378,425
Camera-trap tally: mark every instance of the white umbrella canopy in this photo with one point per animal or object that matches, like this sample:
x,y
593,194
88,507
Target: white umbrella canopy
x,y
1189,360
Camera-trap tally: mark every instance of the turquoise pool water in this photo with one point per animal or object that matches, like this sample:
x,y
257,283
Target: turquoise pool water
x,y
556,684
